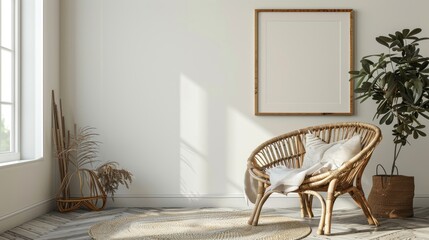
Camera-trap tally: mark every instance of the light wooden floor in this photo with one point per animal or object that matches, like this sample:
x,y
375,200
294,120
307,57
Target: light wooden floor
x,y
347,224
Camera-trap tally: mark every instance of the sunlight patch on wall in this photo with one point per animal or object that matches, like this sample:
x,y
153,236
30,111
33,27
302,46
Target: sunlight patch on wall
x,y
194,135
240,142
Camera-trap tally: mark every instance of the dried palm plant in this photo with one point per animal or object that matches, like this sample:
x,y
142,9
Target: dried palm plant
x,y
77,153
81,154
110,177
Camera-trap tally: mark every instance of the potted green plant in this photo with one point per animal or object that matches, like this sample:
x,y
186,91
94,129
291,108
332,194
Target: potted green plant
x,y
398,83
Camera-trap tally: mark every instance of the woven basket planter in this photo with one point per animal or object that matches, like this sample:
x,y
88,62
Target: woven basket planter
x,y
392,196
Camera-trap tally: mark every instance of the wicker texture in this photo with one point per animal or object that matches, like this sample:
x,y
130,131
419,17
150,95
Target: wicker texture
x,y
288,149
392,196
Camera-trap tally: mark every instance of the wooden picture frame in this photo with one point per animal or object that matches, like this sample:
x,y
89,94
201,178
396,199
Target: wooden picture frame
x,y
302,61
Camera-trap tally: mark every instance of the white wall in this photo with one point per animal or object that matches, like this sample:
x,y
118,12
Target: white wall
x,y
169,86
27,189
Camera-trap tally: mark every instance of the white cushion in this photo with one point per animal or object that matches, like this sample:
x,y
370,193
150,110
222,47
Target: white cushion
x,y
336,153
343,152
315,148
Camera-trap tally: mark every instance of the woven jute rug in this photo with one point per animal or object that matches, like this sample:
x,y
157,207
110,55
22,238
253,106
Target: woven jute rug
x,y
200,224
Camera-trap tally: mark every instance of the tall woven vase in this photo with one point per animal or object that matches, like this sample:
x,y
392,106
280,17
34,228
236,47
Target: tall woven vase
x,y
392,196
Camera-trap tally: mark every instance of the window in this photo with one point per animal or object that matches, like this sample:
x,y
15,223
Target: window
x,y
9,75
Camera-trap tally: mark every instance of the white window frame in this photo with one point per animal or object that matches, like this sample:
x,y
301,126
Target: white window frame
x,y
14,154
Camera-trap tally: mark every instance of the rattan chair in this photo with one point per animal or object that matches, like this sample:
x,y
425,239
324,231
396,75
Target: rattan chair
x,y
288,149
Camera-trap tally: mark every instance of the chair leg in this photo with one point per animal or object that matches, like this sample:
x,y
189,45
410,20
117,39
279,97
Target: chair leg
x,y
259,195
258,204
330,199
310,206
306,205
355,198
365,207
303,203
323,205
258,208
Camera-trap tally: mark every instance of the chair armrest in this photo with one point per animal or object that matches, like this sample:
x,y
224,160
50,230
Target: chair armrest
x,y
259,175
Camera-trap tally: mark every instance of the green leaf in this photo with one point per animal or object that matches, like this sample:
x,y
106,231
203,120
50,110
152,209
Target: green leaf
x,y
366,67
414,32
378,97
382,41
400,107
418,87
405,32
400,128
390,119
366,85
399,35
366,61
396,59
360,90
363,97
359,82
418,60
386,39
407,129
421,133
391,89
394,43
384,118
354,77
400,38
382,108
423,66
372,55
381,81
415,135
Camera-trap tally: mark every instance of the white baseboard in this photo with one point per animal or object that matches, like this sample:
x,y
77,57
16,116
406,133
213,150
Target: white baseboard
x,y
230,201
23,215
421,200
